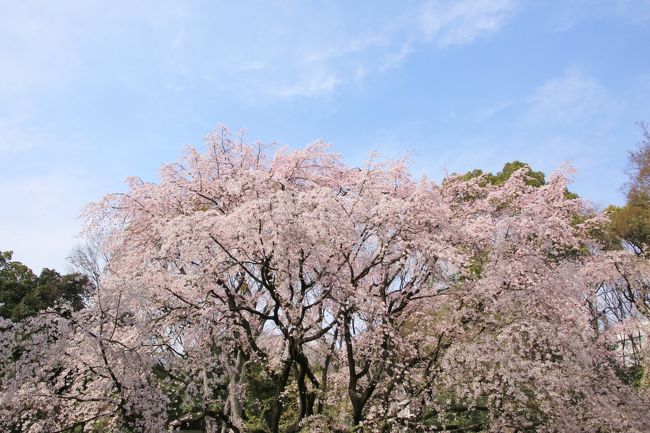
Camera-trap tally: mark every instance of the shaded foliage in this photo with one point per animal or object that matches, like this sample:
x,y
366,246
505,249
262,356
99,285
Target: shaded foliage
x,y
23,293
531,178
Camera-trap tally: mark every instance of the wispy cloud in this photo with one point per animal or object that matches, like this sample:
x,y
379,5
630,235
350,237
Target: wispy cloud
x,y
317,85
568,99
573,12
291,59
282,50
573,99
460,22
485,112
45,46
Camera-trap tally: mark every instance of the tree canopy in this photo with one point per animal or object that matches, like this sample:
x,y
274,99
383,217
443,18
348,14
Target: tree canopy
x,y
251,291
630,224
23,293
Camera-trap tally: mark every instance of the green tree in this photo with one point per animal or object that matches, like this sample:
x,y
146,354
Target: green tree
x,y
23,293
630,224
625,297
533,178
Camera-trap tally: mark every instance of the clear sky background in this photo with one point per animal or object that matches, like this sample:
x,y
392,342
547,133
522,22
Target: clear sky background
x,y
94,91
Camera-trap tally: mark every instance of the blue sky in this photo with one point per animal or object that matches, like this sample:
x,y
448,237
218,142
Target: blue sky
x,y
92,92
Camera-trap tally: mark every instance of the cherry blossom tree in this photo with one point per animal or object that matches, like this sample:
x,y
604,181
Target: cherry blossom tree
x,y
290,292
620,305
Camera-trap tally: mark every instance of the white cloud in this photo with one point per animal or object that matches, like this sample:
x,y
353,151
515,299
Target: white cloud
x,y
461,22
573,12
568,99
488,111
442,23
46,45
258,52
635,10
316,85
312,52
